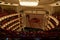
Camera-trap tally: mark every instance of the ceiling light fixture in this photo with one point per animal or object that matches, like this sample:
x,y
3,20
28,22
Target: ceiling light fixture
x,y
28,2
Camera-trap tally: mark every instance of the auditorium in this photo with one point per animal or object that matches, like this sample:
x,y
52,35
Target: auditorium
x,y
29,19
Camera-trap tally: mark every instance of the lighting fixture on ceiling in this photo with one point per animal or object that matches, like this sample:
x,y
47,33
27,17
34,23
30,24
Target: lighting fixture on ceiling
x,y
28,2
55,4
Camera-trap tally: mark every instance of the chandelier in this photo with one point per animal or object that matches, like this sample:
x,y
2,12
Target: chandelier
x,y
28,2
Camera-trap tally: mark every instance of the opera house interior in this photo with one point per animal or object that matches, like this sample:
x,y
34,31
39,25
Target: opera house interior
x,y
29,19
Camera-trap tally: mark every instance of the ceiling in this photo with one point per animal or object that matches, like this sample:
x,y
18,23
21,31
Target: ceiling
x,y
40,1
